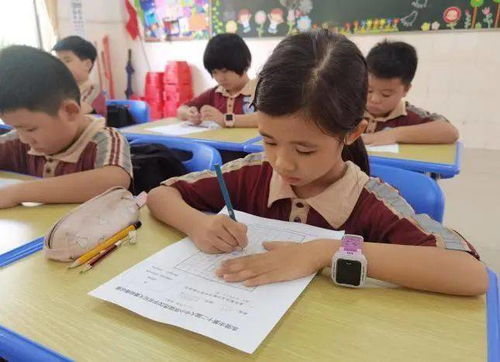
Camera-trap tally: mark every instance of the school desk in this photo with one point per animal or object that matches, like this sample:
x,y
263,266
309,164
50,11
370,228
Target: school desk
x,y
225,139
440,161
21,226
46,302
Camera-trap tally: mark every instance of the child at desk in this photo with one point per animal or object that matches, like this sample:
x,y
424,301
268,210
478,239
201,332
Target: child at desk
x,y
77,155
79,55
391,67
315,170
227,59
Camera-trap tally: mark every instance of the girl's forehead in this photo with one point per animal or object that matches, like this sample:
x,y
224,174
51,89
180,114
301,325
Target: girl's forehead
x,y
290,127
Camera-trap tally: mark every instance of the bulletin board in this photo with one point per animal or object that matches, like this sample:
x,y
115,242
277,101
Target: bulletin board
x,y
267,18
174,19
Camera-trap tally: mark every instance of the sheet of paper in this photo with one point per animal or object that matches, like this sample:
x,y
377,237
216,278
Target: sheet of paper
x,y
393,148
178,286
7,181
184,128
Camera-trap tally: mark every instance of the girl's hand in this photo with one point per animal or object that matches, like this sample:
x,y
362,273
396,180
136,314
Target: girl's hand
x,y
209,113
219,234
283,261
194,116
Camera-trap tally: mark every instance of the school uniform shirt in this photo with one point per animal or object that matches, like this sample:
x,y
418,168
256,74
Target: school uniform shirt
x,y
404,114
92,99
97,146
218,97
356,203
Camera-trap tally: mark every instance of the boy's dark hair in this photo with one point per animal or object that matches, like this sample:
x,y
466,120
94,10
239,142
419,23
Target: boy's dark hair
x,y
227,51
33,79
327,81
82,48
395,59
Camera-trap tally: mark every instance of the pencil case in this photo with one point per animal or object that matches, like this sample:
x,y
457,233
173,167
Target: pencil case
x,y
91,223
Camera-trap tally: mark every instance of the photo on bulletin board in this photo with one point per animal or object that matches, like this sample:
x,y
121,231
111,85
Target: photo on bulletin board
x,y
174,19
267,18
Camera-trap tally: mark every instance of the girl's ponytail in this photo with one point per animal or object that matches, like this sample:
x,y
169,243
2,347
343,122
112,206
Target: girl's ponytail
x,y
356,152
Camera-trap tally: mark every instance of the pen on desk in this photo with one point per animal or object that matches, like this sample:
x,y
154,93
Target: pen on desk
x,y
225,193
112,240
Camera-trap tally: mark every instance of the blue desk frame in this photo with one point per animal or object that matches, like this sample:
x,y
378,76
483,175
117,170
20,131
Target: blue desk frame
x,y
15,347
218,145
21,252
441,169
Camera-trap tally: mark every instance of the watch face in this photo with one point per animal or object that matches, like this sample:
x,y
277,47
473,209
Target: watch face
x,y
229,117
348,272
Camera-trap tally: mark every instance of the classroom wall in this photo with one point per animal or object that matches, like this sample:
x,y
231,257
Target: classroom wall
x,y
458,74
101,18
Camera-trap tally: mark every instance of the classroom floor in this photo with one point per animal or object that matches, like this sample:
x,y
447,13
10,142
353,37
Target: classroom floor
x,y
473,203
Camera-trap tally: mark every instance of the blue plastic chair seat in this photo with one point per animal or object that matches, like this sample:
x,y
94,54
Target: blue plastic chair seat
x,y
422,192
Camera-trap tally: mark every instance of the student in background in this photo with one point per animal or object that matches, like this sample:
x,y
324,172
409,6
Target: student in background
x,y
391,67
79,55
227,59
311,118
77,157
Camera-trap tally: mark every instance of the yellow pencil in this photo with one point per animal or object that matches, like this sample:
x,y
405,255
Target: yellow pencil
x,y
90,254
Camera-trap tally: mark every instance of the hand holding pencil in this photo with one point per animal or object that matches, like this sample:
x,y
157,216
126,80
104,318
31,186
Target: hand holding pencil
x,y
220,233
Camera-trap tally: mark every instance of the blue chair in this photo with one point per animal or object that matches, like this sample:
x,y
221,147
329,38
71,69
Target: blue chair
x,y
4,128
139,110
422,192
203,157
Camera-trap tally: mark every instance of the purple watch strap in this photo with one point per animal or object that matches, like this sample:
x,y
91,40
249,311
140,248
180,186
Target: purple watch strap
x,y
352,242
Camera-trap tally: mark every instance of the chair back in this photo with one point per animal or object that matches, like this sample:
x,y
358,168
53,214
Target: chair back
x,y
139,110
203,157
422,192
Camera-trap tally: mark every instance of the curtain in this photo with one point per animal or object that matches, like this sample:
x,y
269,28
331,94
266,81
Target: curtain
x,y
51,8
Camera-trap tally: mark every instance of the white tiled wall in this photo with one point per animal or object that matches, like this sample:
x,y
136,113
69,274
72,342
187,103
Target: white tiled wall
x,y
458,74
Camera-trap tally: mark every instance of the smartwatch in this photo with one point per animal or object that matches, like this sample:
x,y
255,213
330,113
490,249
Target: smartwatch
x,y
349,263
229,120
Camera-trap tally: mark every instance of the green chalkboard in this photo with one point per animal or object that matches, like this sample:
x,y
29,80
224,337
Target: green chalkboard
x,y
263,18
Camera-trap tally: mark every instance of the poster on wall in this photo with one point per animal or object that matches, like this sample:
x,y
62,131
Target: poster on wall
x,y
174,19
267,18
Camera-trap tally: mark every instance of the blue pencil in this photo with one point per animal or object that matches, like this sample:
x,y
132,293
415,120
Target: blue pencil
x,y
225,193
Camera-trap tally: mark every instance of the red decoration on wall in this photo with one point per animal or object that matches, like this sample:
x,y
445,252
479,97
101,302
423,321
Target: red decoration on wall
x,y
132,25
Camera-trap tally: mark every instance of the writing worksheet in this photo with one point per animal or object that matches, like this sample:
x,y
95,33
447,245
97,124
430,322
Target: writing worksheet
x,y
184,128
178,286
392,148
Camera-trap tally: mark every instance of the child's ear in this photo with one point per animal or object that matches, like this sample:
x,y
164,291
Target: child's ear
x,y
88,64
407,89
356,132
70,109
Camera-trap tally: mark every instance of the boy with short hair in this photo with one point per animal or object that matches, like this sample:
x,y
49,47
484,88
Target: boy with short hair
x,y
78,157
79,56
227,59
392,66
